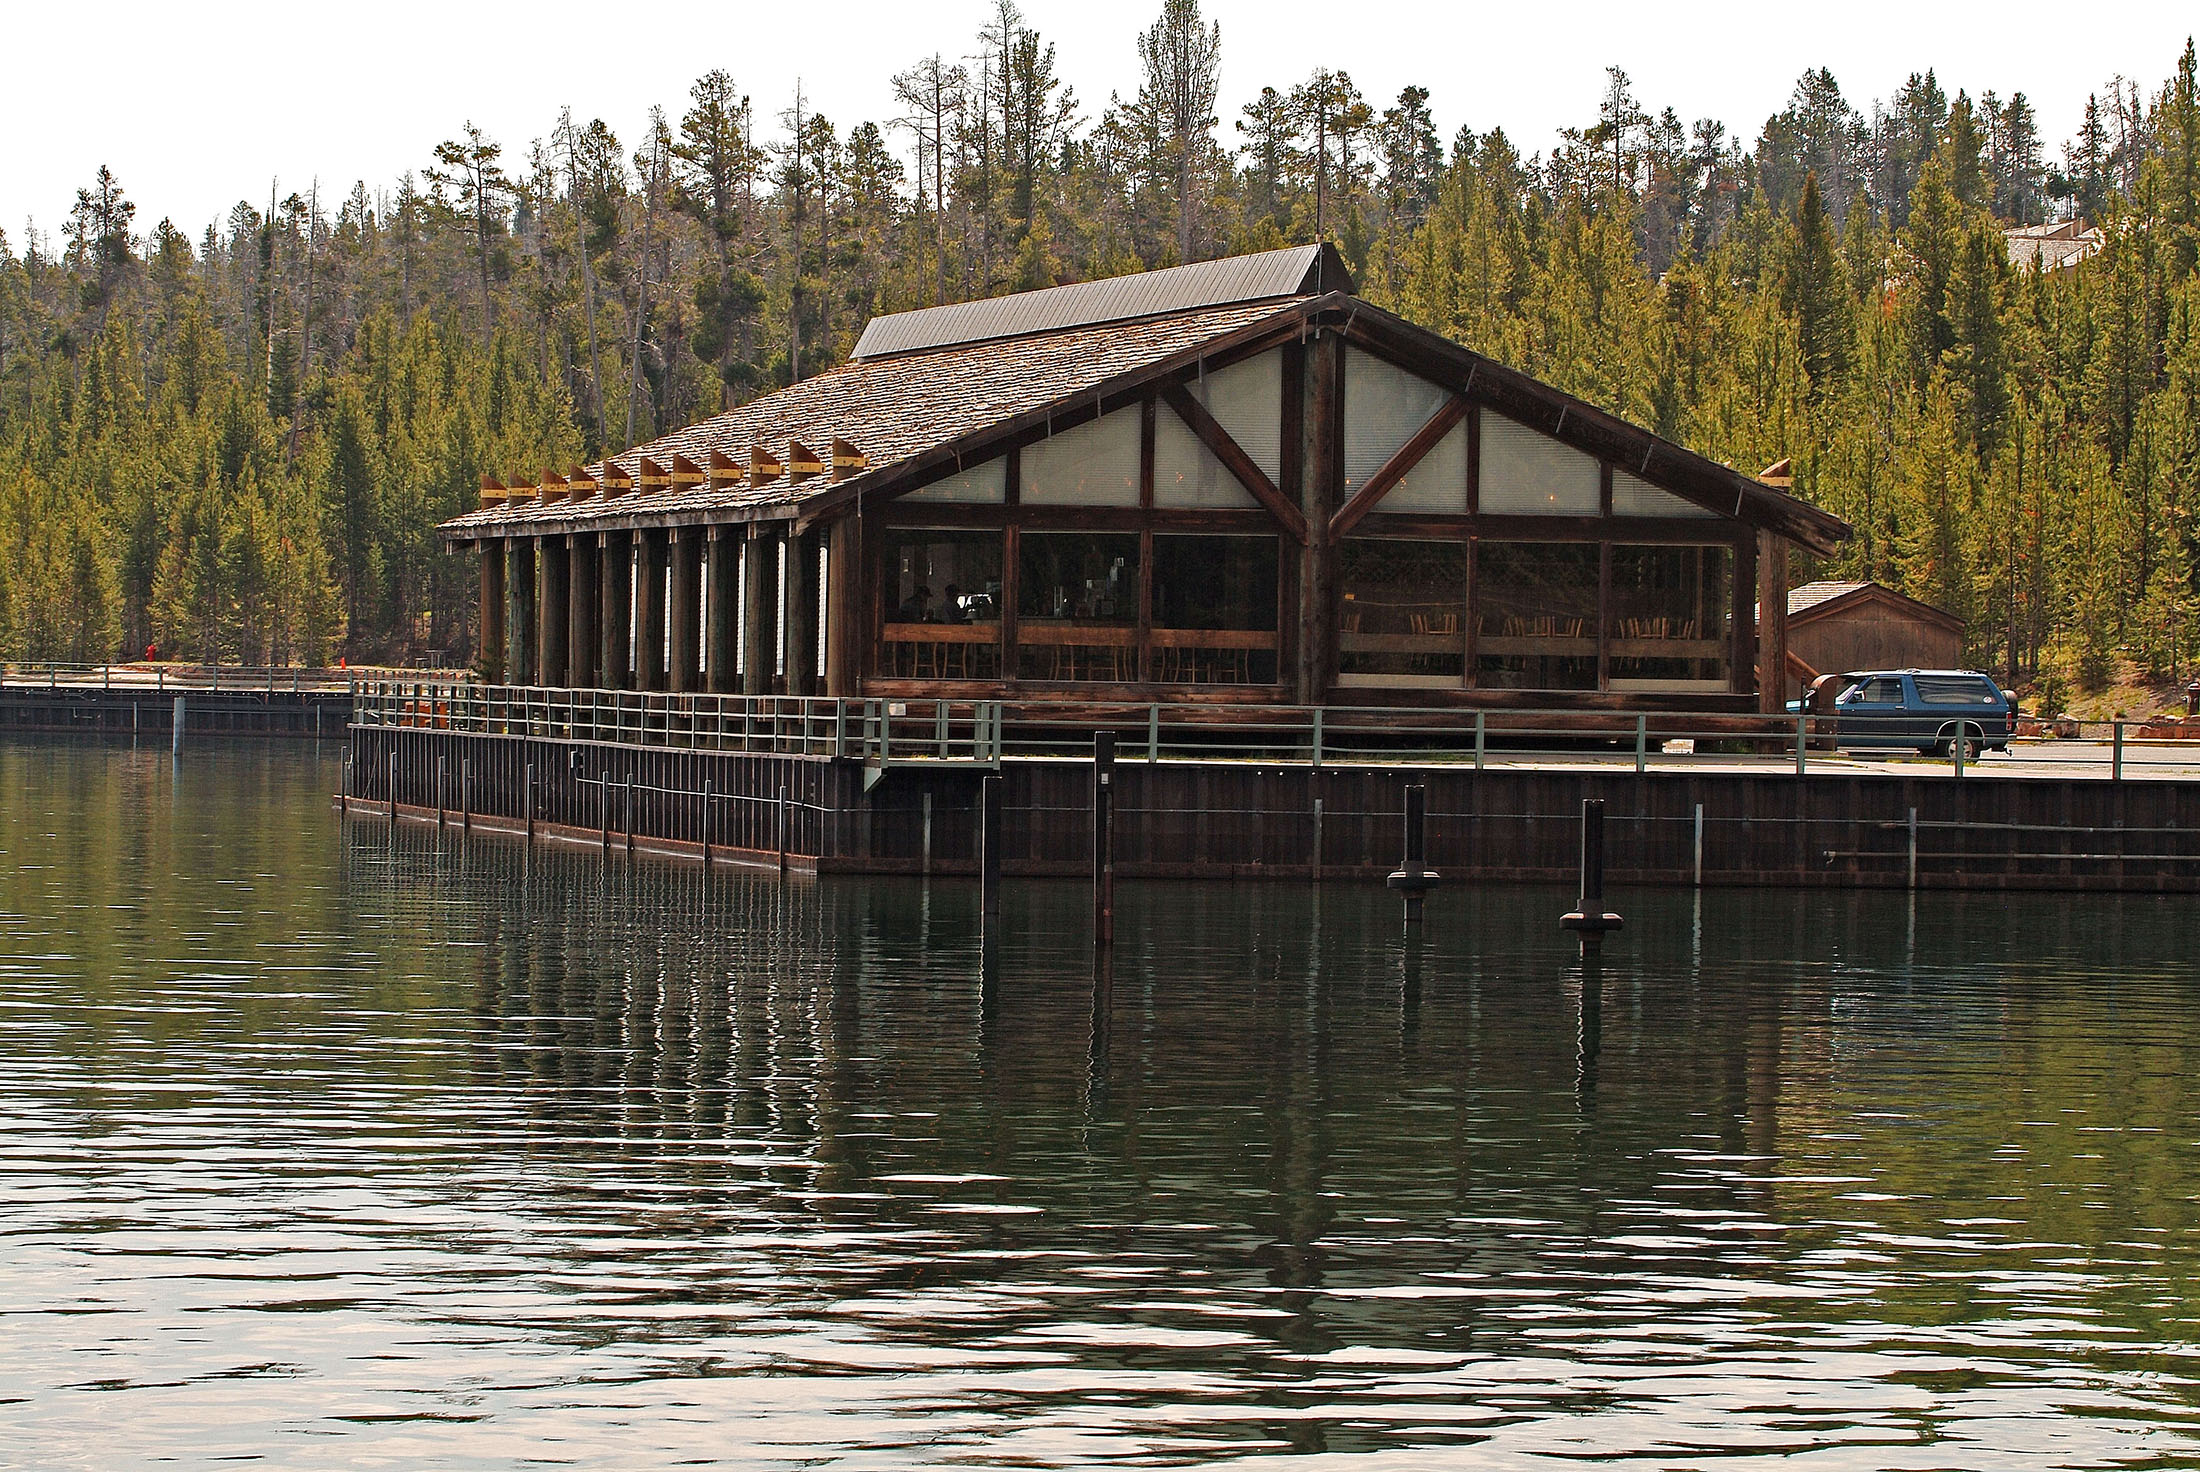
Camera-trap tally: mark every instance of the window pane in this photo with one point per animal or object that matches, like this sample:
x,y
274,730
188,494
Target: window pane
x,y
1438,483
941,604
1095,464
1634,496
1246,399
1186,472
1214,610
1671,610
985,482
1536,606
1383,408
1077,606
1403,611
1529,474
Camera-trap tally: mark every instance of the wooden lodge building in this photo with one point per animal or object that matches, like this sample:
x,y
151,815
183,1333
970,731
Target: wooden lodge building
x,y
1226,482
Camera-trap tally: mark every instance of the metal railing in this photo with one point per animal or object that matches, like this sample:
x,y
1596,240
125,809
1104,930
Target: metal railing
x,y
885,732
164,678
878,733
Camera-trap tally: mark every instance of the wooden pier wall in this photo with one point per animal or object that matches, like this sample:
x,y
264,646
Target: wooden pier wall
x,y
145,711
1224,820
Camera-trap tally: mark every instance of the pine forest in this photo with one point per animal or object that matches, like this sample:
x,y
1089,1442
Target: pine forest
x,y
233,441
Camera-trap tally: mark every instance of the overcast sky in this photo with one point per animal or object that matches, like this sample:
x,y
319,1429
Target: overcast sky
x,y
195,107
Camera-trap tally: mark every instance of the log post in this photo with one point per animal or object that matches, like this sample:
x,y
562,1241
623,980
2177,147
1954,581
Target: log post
x,y
759,592
552,604
519,610
584,612
490,651
615,581
1772,620
801,614
686,610
722,611
649,612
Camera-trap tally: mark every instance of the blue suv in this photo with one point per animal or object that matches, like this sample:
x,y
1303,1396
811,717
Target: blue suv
x,y
1915,710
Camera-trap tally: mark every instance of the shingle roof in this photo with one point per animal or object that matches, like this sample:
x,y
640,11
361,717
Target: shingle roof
x,y
1810,595
891,409
1304,270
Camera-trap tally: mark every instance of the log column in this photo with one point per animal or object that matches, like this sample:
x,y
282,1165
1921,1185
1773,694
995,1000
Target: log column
x,y
844,623
552,604
1324,473
615,580
686,609
649,612
759,592
1772,622
799,618
722,616
489,655
583,634
519,610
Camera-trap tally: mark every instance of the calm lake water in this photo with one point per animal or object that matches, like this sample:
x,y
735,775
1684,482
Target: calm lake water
x,y
328,1148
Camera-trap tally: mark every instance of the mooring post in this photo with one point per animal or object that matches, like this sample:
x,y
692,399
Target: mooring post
x,y
2115,760
1913,849
175,730
527,803
1481,734
1642,744
630,815
989,851
603,810
1699,845
1802,743
786,826
924,801
1956,746
442,776
466,795
708,793
1315,863
1589,919
393,788
1414,878
1103,838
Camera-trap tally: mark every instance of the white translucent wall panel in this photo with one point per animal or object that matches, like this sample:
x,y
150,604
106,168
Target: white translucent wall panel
x,y
987,482
1186,472
1438,483
1529,474
1095,464
1383,406
1246,399
1634,496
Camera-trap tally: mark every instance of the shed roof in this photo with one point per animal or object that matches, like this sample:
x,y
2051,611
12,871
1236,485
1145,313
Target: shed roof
x,y
1271,275
1827,598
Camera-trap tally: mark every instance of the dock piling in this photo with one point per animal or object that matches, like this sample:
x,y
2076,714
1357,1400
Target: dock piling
x,y
709,794
1414,878
175,731
393,788
1589,919
786,821
528,802
442,780
989,851
1699,845
1103,839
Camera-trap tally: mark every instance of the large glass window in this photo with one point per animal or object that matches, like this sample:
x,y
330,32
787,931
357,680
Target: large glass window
x,y
1529,474
1404,611
942,605
1634,496
1094,464
980,483
1214,610
1670,616
1384,406
1077,606
1536,605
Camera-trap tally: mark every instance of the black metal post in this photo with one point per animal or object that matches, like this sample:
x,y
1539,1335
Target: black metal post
x,y
786,817
708,794
1414,878
442,779
1589,919
393,784
1103,838
989,849
528,803
466,795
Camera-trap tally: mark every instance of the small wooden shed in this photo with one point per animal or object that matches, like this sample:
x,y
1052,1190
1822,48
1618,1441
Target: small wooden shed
x,y
1835,627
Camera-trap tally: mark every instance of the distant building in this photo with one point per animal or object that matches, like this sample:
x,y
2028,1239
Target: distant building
x,y
1836,627
2051,247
